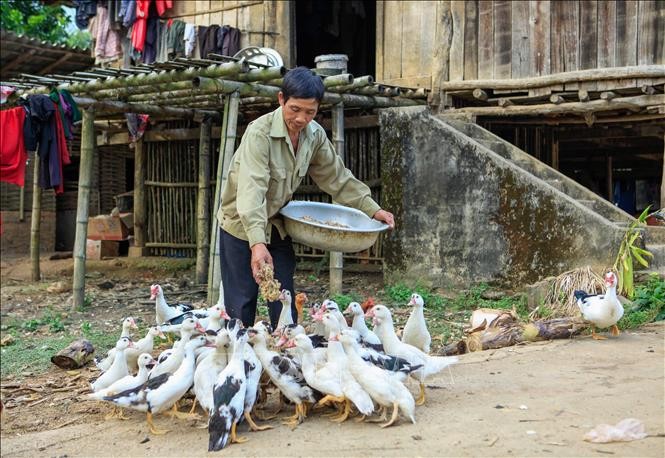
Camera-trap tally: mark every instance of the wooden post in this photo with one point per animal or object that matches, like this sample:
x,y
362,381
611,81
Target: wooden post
x,y
203,206
336,259
226,150
21,204
662,181
138,249
555,153
35,220
610,178
441,57
85,171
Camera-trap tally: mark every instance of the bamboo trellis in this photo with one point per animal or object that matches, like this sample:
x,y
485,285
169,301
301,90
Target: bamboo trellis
x,y
196,90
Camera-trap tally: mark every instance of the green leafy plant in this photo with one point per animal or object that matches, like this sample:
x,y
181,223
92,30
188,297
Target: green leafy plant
x,y
629,253
648,306
343,300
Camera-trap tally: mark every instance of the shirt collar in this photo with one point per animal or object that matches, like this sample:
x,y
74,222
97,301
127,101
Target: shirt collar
x,y
278,128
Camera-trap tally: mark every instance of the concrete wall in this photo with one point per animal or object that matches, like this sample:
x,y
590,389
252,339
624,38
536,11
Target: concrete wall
x,y
15,238
465,214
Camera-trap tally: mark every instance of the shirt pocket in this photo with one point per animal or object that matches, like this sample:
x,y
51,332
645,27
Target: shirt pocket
x,y
277,187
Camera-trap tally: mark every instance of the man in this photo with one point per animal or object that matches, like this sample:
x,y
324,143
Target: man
x,y
277,151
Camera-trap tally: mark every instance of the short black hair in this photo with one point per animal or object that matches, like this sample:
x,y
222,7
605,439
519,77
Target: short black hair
x,y
302,83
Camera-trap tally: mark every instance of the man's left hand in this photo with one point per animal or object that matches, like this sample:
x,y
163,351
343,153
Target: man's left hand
x,y
386,217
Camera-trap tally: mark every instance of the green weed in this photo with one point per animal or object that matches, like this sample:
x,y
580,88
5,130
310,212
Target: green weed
x,y
648,306
343,300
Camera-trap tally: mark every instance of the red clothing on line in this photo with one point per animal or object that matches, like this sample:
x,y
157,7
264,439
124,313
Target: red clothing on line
x,y
63,151
140,24
12,149
163,5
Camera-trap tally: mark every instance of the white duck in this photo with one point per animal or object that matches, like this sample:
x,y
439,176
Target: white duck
x,y
229,398
332,307
415,330
353,391
160,393
213,319
253,371
127,325
145,362
144,345
384,389
367,336
208,369
286,314
283,373
602,310
118,369
169,361
163,311
384,328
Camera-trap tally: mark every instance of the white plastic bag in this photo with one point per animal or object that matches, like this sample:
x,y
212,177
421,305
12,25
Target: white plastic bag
x,y
628,429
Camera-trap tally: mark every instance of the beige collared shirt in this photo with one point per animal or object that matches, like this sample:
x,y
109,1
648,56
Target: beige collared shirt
x,y
265,171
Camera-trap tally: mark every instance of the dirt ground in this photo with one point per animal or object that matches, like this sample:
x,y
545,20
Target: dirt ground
x,y
532,400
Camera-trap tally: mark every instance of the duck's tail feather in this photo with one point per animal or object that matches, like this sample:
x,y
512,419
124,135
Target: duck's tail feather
x,y
438,363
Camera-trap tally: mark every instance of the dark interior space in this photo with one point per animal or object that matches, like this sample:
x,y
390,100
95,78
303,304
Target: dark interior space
x,y
621,162
337,27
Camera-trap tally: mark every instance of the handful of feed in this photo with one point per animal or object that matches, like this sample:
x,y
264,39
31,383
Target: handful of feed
x,y
268,286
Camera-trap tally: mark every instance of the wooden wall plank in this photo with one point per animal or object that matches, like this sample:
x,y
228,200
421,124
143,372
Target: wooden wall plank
x,y
502,39
606,39
485,40
392,36
520,38
283,25
411,42
471,40
457,46
539,36
660,35
647,33
588,34
428,23
379,40
626,35
202,19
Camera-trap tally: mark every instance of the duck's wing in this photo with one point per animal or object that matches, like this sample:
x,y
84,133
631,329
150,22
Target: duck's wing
x,y
286,366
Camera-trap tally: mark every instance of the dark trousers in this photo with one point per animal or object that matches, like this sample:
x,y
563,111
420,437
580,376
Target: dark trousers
x,y
240,289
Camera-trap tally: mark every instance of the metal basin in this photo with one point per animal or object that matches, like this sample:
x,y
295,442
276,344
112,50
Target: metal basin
x,y
330,227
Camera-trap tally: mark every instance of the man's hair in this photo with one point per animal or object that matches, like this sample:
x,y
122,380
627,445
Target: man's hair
x,y
302,83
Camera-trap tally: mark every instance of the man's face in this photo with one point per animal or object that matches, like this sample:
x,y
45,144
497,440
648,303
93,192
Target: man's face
x,y
297,112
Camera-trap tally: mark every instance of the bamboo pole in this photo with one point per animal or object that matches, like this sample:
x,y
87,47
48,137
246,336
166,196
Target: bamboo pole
x,y
596,74
226,69
139,197
227,148
35,221
357,83
336,259
112,106
634,103
85,172
21,204
202,205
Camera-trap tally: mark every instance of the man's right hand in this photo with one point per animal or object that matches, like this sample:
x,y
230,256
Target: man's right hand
x,y
260,256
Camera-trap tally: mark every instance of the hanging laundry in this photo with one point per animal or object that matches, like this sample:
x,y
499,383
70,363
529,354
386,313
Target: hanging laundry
x,y
163,5
162,36
107,45
5,92
85,9
190,39
140,25
175,40
208,40
136,124
151,37
12,146
128,12
231,42
115,18
63,153
200,38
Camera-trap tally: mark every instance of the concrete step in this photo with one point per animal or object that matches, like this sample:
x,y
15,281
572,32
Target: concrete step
x,y
658,260
655,234
588,203
555,183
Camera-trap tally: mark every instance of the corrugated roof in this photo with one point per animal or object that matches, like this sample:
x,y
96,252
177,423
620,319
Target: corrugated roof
x,y
22,54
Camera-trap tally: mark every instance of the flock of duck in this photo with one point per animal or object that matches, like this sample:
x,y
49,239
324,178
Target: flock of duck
x,y
229,369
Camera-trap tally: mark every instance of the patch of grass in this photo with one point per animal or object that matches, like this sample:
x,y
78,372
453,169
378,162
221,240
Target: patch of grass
x,y
31,354
648,306
400,294
343,300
